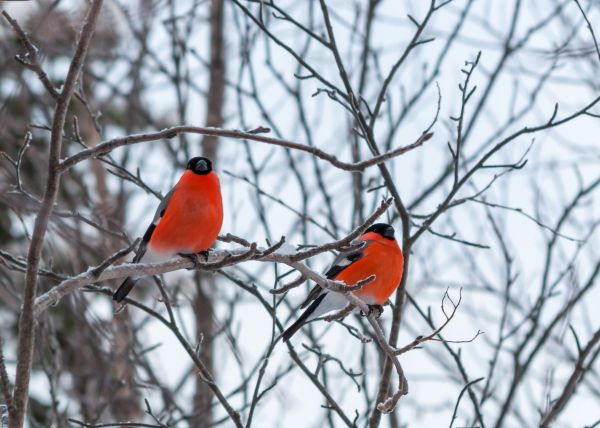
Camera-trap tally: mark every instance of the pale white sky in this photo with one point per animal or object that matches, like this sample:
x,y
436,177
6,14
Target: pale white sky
x,y
541,189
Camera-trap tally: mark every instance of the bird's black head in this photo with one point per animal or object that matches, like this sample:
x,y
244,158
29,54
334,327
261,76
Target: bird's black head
x,y
382,229
199,165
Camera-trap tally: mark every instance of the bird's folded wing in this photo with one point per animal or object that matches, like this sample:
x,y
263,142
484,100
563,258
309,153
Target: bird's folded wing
x,y
160,212
345,259
341,262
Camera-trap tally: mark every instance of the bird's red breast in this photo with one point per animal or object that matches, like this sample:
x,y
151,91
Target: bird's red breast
x,y
193,217
383,258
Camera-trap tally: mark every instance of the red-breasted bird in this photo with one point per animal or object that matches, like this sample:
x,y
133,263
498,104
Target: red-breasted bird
x,y
187,220
380,256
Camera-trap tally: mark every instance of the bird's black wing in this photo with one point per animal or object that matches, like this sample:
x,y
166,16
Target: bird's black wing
x,y
160,212
129,282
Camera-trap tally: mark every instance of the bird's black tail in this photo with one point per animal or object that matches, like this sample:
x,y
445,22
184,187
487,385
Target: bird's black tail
x,y
291,330
124,289
287,335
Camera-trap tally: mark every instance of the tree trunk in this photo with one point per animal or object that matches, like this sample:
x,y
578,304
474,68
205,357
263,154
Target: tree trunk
x,y
205,325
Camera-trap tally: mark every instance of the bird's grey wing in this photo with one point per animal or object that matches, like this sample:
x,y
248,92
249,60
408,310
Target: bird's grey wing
x,y
160,212
341,262
345,259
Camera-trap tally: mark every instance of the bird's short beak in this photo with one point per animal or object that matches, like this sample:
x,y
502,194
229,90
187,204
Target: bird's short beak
x,y
202,166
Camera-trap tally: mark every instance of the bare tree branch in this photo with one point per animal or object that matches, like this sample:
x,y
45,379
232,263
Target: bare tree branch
x,y
27,318
172,132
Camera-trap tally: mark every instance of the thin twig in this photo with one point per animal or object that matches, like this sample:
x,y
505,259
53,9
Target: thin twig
x,y
569,389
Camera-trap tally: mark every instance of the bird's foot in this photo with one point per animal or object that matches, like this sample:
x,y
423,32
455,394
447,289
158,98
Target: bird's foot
x,y
375,310
197,258
203,254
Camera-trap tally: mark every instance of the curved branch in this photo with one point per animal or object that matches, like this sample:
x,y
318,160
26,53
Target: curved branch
x,y
172,132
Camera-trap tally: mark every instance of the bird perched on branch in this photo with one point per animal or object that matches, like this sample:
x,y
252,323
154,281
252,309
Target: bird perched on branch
x,y
187,220
380,256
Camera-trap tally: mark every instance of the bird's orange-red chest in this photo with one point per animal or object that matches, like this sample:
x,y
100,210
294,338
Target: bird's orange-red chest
x,y
382,258
193,217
